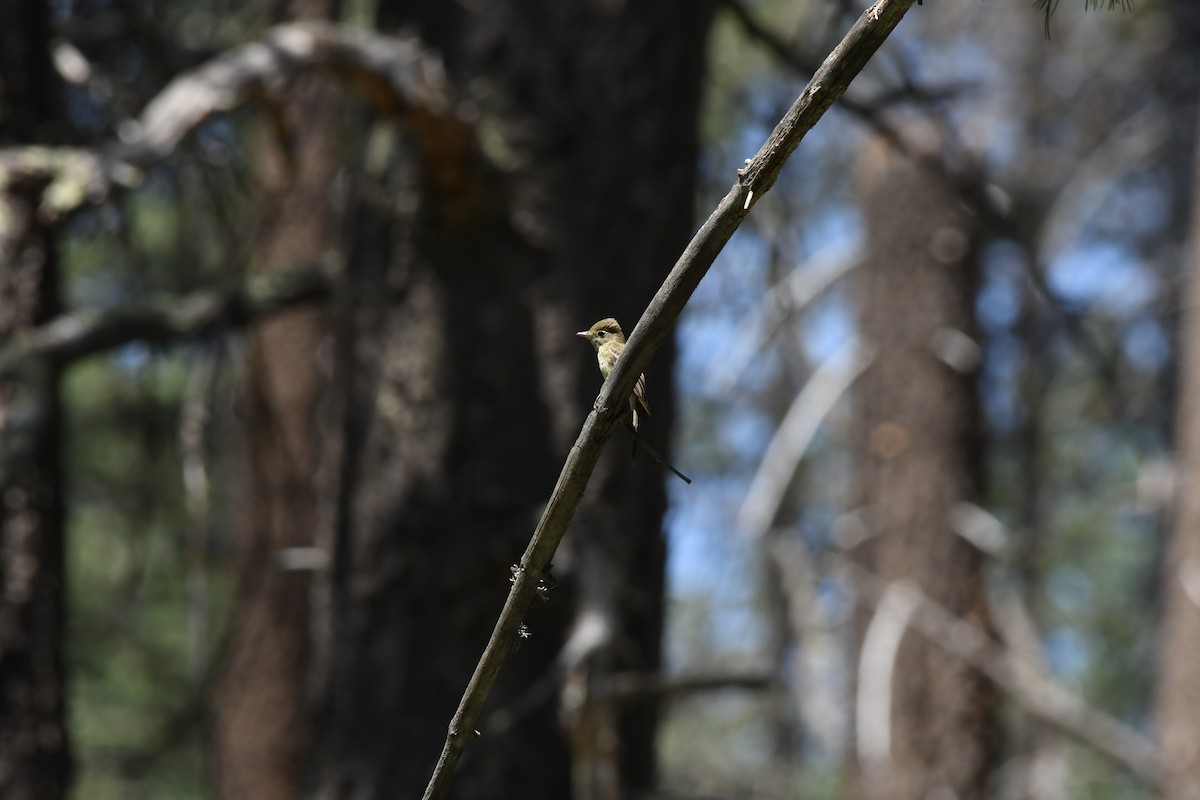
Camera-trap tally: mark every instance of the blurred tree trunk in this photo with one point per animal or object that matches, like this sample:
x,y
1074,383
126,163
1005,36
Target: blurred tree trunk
x,y
34,758
1179,678
261,706
459,387
919,419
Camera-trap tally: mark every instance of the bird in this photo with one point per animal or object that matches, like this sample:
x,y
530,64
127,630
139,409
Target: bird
x,y
609,340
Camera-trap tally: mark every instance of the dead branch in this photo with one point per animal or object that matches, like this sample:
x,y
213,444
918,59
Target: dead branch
x,y
951,165
395,75
756,179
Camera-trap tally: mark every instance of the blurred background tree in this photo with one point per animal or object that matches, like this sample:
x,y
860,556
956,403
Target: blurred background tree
x,y
933,382
34,745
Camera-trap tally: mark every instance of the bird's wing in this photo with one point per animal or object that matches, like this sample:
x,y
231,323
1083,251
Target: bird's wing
x,y
639,392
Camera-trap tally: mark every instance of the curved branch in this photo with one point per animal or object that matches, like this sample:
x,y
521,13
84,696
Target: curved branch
x,y
827,85
808,410
395,75
791,294
876,671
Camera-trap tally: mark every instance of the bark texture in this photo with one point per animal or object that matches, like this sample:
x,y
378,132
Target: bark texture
x,y
1178,691
262,724
920,424
1179,678
460,386
34,756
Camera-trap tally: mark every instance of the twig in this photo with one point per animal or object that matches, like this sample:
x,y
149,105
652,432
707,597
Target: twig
x,y
827,85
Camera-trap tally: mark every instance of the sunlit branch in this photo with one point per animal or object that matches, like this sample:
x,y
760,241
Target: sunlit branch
x,y
877,673
395,75
809,409
792,294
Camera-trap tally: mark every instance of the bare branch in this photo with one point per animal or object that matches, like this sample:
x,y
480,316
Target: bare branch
x,y
894,610
83,333
950,162
869,113
792,293
827,85
395,75
1023,680
795,434
194,417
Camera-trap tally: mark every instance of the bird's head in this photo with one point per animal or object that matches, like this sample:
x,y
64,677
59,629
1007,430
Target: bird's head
x,y
604,331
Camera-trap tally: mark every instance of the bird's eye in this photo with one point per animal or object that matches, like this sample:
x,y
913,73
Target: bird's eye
x,y
601,334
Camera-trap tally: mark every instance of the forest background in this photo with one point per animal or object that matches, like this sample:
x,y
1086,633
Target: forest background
x,y
287,370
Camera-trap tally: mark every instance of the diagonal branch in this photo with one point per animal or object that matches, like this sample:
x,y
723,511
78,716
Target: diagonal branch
x,y
827,85
963,176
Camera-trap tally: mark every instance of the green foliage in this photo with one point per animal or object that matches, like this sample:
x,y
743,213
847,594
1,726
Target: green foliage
x,y
142,638
136,708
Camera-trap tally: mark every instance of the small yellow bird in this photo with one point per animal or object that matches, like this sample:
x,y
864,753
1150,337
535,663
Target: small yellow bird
x,y
608,339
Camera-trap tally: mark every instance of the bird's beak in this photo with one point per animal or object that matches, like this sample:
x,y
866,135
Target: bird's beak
x,y
582,334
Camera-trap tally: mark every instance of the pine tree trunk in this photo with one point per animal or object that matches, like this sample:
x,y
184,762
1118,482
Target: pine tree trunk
x,y
460,386
919,420
1179,678
34,756
261,715
261,705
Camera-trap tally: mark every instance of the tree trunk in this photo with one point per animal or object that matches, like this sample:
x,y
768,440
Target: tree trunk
x,y
1179,678
34,757
1178,690
461,387
261,730
920,423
